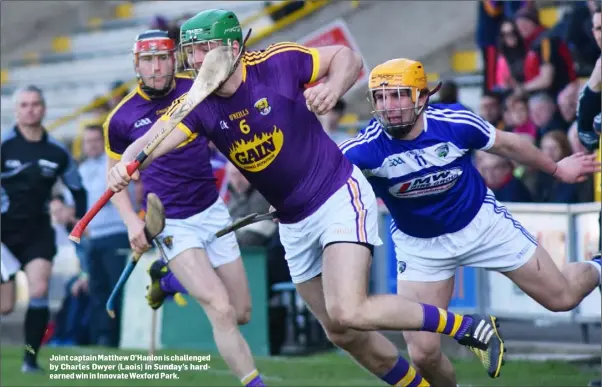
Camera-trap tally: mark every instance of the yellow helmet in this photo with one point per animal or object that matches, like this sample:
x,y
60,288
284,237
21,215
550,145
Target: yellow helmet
x,y
406,78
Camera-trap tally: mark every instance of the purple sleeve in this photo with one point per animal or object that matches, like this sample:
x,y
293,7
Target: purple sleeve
x,y
291,63
116,137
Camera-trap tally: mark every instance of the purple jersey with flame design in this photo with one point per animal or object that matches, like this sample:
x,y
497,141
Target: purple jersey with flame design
x,y
266,130
183,179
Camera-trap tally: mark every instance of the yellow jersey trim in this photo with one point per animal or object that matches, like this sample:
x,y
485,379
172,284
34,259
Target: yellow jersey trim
x,y
107,123
255,57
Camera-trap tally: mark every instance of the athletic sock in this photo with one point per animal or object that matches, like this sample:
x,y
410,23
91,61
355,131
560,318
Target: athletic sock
x,y
36,321
170,284
445,322
252,380
404,375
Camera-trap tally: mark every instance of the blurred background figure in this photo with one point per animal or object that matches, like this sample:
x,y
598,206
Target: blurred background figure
x,y
555,144
498,174
107,241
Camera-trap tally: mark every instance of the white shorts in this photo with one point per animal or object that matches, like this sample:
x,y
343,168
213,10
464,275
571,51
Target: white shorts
x,y
349,215
492,240
9,264
198,231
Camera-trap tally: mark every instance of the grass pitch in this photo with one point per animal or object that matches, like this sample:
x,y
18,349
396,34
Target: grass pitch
x,y
331,369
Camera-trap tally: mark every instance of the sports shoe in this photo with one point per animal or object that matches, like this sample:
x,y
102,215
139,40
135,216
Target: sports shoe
x,y
155,296
31,368
484,340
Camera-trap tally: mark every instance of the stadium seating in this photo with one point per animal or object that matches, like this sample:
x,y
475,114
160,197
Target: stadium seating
x,y
97,58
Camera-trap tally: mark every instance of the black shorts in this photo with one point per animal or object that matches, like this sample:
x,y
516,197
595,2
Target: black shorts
x,y
29,243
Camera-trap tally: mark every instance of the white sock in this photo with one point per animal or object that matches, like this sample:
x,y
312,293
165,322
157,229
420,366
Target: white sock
x,y
598,268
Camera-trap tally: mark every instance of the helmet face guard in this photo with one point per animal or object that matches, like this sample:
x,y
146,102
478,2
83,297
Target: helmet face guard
x,y
392,83
392,119
205,31
153,46
188,49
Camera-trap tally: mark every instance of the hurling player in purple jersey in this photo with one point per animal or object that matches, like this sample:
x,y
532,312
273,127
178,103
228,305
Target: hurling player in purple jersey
x,y
328,213
210,269
418,159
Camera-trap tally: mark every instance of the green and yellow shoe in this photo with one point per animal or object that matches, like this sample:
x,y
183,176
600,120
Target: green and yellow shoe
x,y
155,296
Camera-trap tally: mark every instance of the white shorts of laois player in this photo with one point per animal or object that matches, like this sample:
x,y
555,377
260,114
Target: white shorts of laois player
x,y
9,264
349,215
198,231
492,240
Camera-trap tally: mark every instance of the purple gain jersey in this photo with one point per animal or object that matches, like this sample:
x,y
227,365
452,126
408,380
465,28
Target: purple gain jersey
x,y
266,130
182,179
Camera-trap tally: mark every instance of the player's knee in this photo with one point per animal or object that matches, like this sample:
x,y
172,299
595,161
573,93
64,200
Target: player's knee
x,y
561,302
343,338
342,316
425,355
38,289
243,315
222,315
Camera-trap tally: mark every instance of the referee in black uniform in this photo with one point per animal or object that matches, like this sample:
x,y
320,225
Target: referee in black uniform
x,y
31,163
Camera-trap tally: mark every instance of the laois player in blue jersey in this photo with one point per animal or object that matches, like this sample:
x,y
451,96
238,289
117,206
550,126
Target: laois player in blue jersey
x,y
417,157
212,268
328,213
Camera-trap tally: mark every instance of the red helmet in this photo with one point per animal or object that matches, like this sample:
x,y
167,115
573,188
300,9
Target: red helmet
x,y
154,42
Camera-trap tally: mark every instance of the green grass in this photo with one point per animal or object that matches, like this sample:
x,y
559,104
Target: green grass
x,y
320,370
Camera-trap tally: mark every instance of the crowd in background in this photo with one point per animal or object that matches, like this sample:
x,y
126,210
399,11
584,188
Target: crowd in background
x,y
533,76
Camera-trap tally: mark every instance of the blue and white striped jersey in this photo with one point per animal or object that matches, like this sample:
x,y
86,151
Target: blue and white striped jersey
x,y
429,184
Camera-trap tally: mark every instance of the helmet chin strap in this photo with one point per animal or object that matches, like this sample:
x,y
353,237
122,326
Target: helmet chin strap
x,y
156,93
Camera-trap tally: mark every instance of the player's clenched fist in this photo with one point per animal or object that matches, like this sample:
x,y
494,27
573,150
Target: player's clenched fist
x,y
118,178
320,98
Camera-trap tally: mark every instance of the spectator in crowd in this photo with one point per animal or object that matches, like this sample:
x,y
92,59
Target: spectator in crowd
x,y
576,27
116,98
548,189
108,243
497,171
71,325
159,23
449,92
512,58
544,113
490,109
590,99
567,104
490,15
331,120
553,62
520,122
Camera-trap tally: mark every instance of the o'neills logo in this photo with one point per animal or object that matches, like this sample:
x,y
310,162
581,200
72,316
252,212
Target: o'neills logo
x,y
256,154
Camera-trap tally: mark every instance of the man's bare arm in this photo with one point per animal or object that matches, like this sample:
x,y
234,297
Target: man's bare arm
x,y
517,148
341,66
121,200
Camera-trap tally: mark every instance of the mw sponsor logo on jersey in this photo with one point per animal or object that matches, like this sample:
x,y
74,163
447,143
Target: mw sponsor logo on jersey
x,y
431,184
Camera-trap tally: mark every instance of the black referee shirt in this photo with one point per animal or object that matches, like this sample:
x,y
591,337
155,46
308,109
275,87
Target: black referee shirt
x,y
29,171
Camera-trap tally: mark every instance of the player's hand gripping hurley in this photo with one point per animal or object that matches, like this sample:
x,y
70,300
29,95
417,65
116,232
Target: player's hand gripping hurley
x,y
154,224
218,66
